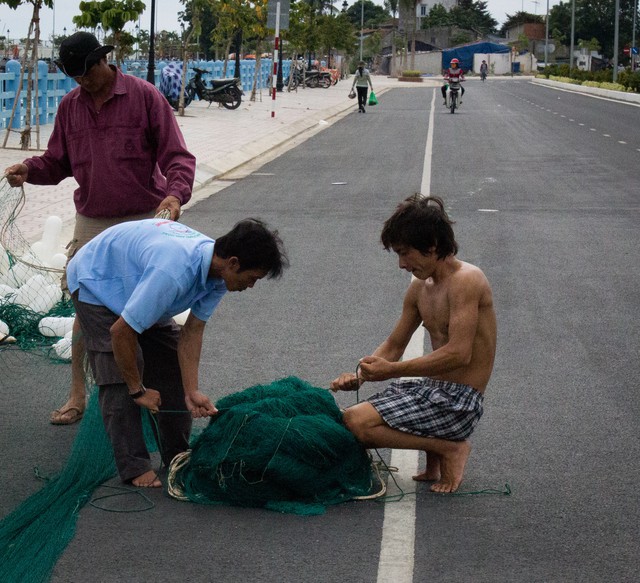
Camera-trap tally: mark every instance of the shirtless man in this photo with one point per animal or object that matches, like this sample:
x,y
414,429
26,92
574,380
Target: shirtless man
x,y
437,411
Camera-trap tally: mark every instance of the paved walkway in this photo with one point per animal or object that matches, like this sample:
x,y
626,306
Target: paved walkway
x,y
221,140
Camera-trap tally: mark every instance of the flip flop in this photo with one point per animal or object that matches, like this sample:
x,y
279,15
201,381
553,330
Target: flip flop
x,y
56,416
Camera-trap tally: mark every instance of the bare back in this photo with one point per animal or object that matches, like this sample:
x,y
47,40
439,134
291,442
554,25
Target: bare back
x,y
460,299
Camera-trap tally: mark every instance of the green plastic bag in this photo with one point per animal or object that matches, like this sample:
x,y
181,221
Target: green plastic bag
x,y
373,100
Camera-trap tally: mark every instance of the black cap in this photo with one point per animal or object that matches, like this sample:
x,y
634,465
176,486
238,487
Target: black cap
x,y
79,52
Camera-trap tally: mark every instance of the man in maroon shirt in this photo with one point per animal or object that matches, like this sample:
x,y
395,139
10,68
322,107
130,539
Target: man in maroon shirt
x,y
118,137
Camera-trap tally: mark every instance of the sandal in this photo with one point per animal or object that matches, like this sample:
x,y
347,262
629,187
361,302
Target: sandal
x,y
74,413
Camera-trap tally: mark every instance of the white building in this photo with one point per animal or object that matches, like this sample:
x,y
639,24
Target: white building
x,y
425,6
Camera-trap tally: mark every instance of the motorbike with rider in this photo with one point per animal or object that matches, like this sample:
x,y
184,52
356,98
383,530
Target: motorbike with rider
x,y
453,78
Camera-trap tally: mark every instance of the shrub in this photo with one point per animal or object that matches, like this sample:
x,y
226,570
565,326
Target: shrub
x,y
410,73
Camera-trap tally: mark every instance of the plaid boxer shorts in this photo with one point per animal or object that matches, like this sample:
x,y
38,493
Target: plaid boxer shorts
x,y
430,408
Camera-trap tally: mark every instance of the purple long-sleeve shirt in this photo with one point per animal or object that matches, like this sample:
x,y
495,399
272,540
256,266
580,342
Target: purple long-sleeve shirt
x,y
126,158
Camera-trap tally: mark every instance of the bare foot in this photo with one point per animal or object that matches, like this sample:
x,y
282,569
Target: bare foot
x,y
452,465
147,480
429,475
431,470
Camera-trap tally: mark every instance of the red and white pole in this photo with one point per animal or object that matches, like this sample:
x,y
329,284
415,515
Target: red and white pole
x,y
274,75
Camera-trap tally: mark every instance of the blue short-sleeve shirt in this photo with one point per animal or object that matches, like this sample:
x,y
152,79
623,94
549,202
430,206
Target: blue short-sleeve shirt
x,y
147,271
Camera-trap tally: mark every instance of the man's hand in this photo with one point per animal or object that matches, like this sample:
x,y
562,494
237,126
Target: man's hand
x,y
376,368
199,405
172,204
17,174
347,381
150,400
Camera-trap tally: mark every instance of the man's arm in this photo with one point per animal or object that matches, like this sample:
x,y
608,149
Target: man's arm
x,y
394,346
175,161
463,298
124,341
189,349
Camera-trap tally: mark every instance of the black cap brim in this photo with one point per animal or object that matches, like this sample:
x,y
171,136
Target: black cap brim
x,y
77,66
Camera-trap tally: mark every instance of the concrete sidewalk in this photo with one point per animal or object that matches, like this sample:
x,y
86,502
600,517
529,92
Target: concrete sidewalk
x,y
222,140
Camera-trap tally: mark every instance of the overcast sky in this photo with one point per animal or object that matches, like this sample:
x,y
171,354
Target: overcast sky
x,y
17,21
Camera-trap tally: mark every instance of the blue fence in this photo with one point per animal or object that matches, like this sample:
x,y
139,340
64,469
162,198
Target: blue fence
x,y
53,86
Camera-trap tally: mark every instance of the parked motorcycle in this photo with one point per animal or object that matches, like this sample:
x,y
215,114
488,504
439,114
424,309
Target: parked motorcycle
x,y
453,99
310,78
227,92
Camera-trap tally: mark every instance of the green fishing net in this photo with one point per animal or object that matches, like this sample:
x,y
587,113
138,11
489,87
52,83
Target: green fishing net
x,y
280,446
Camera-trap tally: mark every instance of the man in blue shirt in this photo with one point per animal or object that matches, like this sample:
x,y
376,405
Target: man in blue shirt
x,y
127,284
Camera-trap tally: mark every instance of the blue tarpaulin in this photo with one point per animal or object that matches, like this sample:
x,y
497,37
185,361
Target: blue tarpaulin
x,y
465,53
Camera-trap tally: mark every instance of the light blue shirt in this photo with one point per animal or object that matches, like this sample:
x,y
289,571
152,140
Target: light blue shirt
x,y
147,271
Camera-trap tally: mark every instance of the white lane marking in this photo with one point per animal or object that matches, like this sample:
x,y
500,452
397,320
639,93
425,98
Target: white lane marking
x,y
487,210
606,135
621,142
425,185
593,129
397,548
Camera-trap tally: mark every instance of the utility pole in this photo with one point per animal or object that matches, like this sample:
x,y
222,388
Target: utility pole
x,y
633,38
546,38
573,32
616,32
361,26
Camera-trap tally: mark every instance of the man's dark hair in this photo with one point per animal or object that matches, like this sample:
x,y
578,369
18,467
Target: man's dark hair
x,y
422,223
255,246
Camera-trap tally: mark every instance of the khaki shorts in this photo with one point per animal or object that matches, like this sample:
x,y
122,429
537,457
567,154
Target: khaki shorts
x,y
87,228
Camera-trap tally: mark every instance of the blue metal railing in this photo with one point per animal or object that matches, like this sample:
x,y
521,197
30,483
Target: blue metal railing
x,y
53,86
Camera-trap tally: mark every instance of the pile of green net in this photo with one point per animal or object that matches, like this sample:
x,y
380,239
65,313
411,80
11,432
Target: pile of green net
x,y
280,446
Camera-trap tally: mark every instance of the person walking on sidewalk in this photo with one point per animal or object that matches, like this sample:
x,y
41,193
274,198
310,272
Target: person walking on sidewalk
x,y
118,137
361,81
127,284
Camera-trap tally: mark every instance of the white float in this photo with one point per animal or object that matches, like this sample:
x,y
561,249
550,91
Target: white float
x,y
38,294
52,326
4,329
63,348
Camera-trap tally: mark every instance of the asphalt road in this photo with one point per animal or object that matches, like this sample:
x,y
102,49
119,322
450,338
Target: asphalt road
x,y
549,209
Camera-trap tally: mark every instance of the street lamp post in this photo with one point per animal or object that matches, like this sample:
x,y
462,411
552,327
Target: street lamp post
x,y
137,40
633,38
151,66
616,32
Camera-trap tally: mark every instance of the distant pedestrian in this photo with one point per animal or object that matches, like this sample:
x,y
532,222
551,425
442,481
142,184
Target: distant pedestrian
x,y
362,81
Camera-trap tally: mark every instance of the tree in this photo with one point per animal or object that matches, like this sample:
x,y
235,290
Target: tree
x,y
595,19
473,15
392,7
30,53
438,16
112,15
409,8
374,15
